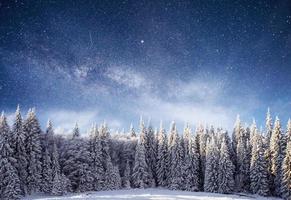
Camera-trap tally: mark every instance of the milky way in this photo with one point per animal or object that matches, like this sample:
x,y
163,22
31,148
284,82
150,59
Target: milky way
x,y
196,61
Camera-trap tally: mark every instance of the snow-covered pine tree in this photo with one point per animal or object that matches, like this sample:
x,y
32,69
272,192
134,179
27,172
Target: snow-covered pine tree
x,y
132,131
211,167
112,176
192,173
104,140
96,159
49,136
75,164
236,137
171,148
225,170
288,132
85,174
162,158
286,174
140,175
176,173
47,174
276,156
243,165
58,185
76,131
258,170
126,177
186,138
269,126
202,137
9,184
32,131
19,151
150,152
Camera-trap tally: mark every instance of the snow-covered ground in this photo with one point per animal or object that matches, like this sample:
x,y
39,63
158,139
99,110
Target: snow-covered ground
x,y
148,194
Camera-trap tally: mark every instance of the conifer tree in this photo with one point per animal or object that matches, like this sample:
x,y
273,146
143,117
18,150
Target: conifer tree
x,y
162,158
19,151
47,174
126,178
32,132
140,176
276,156
150,153
225,170
192,178
288,132
171,151
259,172
9,184
96,160
176,165
104,140
212,164
269,126
112,176
76,131
286,174
132,132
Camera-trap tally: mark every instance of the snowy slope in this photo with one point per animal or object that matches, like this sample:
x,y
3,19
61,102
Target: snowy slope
x,y
148,194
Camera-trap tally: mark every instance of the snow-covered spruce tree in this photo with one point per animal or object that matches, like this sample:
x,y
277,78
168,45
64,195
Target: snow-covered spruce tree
x,y
104,140
186,138
192,172
76,166
112,176
150,152
132,131
288,132
243,165
58,184
49,136
258,170
140,175
269,126
225,170
32,131
9,184
202,137
19,151
276,156
286,174
211,167
96,160
236,137
47,174
176,165
162,158
126,177
76,131
171,151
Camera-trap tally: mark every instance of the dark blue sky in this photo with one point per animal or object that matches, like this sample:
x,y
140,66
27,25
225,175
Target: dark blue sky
x,y
190,61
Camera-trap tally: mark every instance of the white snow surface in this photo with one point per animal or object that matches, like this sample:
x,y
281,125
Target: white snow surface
x,y
148,194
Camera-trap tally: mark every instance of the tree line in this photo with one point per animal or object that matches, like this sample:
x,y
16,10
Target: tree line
x,y
207,159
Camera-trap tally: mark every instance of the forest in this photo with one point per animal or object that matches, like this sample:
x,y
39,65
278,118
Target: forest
x,y
247,160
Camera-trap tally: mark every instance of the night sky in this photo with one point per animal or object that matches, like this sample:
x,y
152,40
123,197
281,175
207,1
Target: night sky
x,y
196,61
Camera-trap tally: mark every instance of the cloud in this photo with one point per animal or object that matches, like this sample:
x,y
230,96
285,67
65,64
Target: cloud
x,y
195,101
65,120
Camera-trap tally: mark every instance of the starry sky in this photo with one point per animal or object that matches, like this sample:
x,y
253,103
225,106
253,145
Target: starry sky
x,y
188,61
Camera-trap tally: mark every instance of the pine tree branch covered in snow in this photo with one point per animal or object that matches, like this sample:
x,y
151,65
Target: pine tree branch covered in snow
x,y
36,161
